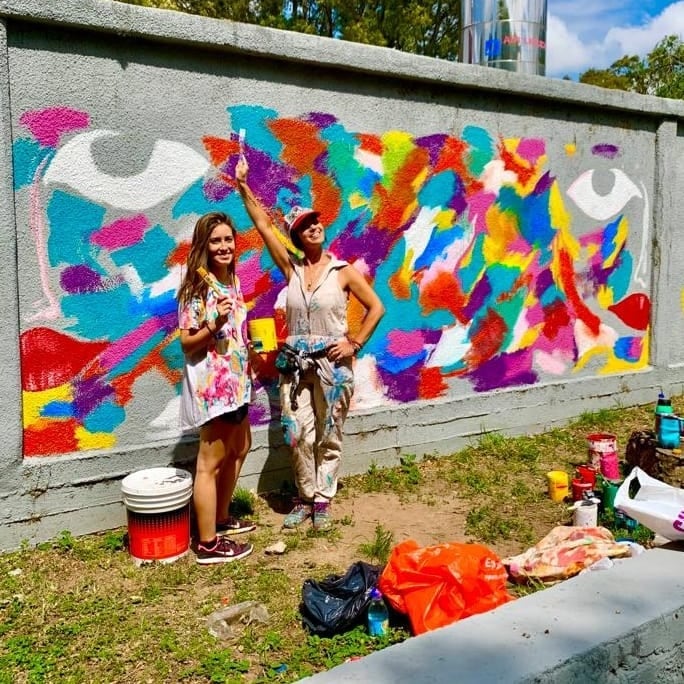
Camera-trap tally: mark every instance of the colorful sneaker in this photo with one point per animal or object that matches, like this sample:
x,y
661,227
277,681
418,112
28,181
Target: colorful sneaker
x,y
233,525
223,551
301,512
322,520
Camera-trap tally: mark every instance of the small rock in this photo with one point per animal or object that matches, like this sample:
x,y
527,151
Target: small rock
x,y
278,548
15,572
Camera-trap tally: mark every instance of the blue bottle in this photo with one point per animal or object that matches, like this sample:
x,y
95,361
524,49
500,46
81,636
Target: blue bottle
x,y
378,617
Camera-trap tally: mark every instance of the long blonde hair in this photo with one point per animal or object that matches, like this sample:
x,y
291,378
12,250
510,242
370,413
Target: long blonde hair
x,y
193,285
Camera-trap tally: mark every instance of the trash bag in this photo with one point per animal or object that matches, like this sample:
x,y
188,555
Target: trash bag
x,y
338,602
438,585
656,505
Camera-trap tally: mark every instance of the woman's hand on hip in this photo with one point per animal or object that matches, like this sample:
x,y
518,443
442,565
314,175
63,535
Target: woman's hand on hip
x,y
342,349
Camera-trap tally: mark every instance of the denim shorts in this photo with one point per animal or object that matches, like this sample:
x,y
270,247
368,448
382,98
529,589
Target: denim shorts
x,y
234,417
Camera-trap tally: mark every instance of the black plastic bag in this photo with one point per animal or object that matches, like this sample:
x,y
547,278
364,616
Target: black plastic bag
x,y
337,603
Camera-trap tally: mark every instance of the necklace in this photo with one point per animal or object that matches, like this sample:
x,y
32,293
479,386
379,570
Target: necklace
x,y
313,275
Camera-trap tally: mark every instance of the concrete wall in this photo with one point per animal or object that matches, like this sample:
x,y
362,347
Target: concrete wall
x,y
521,231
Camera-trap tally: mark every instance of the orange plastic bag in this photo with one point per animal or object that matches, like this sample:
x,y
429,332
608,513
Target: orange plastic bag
x,y
438,585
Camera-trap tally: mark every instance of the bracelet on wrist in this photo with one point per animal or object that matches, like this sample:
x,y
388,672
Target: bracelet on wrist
x,y
354,343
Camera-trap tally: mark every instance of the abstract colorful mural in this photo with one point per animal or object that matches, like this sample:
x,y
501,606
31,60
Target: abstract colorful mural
x,y
469,239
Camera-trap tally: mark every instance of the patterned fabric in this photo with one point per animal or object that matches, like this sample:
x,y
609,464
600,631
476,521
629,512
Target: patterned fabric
x,y
216,380
315,320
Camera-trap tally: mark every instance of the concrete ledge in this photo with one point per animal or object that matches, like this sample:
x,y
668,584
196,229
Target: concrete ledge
x,y
625,624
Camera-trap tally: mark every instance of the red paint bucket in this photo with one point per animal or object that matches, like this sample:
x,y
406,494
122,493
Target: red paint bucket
x,y
587,473
158,506
601,444
578,489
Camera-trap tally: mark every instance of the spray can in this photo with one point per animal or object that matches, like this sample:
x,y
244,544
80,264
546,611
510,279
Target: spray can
x,y
663,407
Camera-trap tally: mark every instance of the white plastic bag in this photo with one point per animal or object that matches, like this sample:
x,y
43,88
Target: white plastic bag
x,y
656,505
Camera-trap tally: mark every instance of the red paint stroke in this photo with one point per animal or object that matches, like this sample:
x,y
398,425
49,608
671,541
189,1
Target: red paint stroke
x,y
555,317
301,144
58,437
431,383
634,310
220,149
50,358
370,143
451,158
178,256
443,292
487,339
511,163
567,278
48,125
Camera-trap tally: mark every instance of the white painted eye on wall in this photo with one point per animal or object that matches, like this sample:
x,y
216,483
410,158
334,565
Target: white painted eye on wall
x,y
602,207
172,167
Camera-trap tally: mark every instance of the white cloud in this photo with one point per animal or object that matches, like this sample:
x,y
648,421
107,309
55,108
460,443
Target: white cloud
x,y
572,51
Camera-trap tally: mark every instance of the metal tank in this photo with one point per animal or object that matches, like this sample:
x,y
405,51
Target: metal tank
x,y
506,34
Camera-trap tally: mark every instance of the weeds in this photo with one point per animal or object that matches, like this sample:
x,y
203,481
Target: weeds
x,y
379,548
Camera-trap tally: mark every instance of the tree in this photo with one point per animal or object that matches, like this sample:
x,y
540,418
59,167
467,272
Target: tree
x,y
660,73
424,27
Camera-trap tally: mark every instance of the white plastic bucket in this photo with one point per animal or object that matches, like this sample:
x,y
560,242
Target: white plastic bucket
x,y
158,510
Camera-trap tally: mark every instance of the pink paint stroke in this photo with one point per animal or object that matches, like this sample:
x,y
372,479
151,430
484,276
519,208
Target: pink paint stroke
x,y
121,233
404,344
123,347
48,125
37,225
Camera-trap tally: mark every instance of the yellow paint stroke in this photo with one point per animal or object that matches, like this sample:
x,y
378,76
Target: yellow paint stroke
x,y
34,402
502,230
612,363
357,200
94,440
397,145
620,239
284,240
445,219
570,149
605,296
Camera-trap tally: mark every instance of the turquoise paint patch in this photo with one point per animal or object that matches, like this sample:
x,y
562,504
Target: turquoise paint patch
x,y
193,201
438,188
471,273
92,313
104,418
509,310
481,148
621,276
147,257
27,156
72,220
502,278
550,295
258,135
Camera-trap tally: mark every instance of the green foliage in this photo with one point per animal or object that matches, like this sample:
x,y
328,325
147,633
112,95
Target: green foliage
x,y
424,27
243,503
379,548
660,73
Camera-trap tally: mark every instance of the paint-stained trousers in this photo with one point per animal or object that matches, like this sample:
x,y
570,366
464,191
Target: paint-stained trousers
x,y
314,432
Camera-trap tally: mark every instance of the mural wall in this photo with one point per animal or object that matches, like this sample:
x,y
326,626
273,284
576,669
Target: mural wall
x,y
500,264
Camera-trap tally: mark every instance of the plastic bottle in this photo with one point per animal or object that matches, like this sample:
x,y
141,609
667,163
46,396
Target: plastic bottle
x,y
663,407
378,617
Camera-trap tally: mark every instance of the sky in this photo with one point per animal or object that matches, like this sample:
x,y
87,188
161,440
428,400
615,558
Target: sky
x,y
581,34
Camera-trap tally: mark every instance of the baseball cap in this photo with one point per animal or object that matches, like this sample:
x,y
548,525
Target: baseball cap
x,y
296,215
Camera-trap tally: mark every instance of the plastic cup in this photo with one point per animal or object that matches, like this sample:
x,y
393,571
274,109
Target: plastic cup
x,y
558,485
587,473
610,489
579,487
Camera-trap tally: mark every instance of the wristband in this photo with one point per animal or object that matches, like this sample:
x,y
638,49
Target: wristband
x,y
354,343
213,333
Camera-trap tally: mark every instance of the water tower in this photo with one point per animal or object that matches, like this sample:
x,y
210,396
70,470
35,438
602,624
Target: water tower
x,y
506,34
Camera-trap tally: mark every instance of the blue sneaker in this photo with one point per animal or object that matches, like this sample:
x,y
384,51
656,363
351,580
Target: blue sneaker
x,y
302,511
322,520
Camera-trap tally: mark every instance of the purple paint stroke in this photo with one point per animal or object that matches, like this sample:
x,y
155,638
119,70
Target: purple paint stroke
x,y
402,386
268,178
543,282
458,201
89,393
321,163
543,184
373,247
48,125
505,370
320,119
80,279
216,190
605,150
480,294
434,145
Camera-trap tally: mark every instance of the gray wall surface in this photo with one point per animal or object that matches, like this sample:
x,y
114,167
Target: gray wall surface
x,y
522,233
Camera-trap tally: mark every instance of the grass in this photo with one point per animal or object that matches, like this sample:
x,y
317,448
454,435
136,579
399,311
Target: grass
x,y
77,609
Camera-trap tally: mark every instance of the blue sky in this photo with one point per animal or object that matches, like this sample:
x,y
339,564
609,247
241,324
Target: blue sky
x,y
594,33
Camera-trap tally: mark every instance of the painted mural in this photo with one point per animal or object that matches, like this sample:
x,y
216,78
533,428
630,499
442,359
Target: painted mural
x,y
469,239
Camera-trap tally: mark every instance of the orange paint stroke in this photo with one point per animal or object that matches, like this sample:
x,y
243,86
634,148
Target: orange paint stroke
x,y
512,163
301,144
431,383
443,292
220,149
370,143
